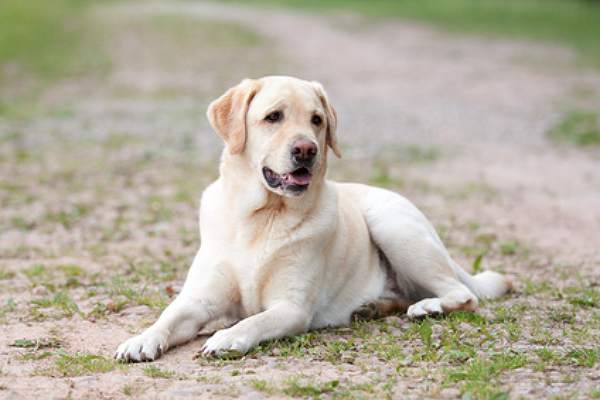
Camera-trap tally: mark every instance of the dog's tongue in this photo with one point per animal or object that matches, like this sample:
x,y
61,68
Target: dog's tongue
x,y
301,177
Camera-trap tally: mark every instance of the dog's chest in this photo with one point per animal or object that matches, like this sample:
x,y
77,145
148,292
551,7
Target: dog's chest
x,y
261,256
265,248
254,272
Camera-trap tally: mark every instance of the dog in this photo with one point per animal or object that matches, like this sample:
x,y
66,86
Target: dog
x,y
285,250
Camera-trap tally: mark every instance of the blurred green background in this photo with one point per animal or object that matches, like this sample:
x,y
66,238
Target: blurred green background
x,y
53,39
42,42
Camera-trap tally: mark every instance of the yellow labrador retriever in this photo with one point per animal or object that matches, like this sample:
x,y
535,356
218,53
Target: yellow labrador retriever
x,y
285,250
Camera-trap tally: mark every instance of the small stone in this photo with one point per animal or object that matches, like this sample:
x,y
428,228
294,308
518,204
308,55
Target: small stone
x,y
450,393
111,306
40,291
394,320
347,358
464,327
170,291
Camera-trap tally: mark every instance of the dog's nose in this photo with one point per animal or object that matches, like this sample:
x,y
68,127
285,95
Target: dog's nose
x,y
304,151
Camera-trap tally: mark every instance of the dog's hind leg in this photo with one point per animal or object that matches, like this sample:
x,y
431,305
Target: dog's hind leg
x,y
424,270
380,308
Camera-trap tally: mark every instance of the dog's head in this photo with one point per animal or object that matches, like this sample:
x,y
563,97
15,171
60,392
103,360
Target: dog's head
x,y
282,126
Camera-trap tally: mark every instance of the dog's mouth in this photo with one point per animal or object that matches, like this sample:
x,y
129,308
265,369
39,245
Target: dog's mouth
x,y
295,181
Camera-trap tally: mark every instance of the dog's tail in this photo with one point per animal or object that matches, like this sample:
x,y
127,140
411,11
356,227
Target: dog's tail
x,y
485,285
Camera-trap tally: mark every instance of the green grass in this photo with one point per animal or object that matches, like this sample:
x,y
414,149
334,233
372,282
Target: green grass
x,y
586,298
535,288
4,274
417,154
43,37
155,372
465,345
478,375
581,128
55,277
42,42
69,216
83,364
262,386
575,23
580,357
311,386
35,355
39,343
380,175
61,302
509,248
128,390
123,293
8,307
583,357
296,387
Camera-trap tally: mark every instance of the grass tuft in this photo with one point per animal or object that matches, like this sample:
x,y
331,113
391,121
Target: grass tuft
x,y
581,128
61,301
261,386
4,274
295,387
40,343
155,372
479,374
83,364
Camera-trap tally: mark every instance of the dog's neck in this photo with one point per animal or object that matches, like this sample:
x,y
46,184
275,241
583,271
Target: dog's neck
x,y
249,196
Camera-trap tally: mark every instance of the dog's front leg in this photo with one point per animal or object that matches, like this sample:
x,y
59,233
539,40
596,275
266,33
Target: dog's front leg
x,y
209,292
281,319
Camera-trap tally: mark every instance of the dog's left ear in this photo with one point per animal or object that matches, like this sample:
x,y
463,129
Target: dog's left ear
x,y
227,114
331,119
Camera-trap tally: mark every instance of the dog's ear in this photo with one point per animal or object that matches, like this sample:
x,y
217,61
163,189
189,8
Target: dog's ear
x,y
331,119
227,114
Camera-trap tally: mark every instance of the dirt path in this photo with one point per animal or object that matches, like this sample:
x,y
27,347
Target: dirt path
x,y
456,123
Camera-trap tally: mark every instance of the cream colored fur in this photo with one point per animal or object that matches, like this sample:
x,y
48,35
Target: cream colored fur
x,y
280,263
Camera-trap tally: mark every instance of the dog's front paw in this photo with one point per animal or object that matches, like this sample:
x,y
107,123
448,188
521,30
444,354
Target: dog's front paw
x,y
145,347
425,307
226,343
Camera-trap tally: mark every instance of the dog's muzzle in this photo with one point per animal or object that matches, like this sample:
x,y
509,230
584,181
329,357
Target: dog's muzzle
x,y
296,181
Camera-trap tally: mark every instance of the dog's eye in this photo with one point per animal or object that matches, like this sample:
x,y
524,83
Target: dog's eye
x,y
273,117
316,120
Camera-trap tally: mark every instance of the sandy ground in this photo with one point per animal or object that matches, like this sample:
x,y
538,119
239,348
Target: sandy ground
x,y
99,192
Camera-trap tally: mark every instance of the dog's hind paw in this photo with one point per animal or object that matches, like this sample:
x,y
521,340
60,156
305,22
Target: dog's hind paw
x,y
365,312
425,307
